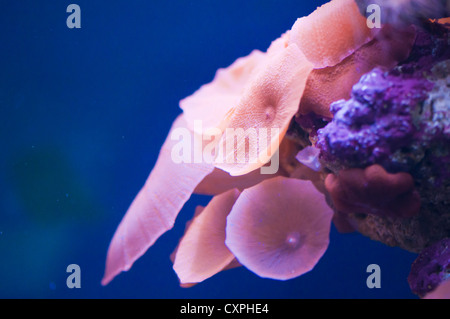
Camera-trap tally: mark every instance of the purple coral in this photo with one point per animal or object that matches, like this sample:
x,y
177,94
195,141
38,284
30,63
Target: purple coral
x,y
375,123
431,268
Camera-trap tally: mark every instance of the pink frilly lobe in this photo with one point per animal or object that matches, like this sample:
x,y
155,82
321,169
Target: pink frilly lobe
x,y
279,228
202,252
373,191
263,114
213,101
155,208
324,86
331,33
198,210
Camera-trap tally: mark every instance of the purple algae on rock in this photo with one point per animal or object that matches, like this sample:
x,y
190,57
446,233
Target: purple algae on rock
x,y
376,124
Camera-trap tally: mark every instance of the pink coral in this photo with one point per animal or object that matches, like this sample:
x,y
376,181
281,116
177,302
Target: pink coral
x,y
277,226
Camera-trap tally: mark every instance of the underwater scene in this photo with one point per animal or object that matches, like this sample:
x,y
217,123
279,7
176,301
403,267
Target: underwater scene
x,y
253,149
